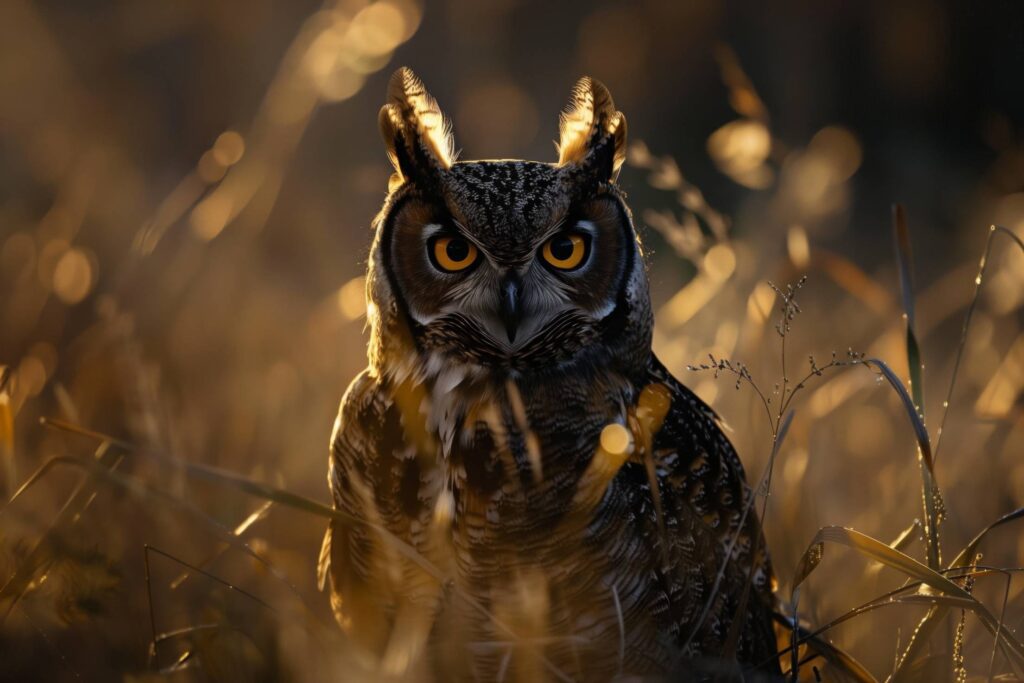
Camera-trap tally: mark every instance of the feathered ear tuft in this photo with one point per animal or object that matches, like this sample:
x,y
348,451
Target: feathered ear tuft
x,y
416,134
593,133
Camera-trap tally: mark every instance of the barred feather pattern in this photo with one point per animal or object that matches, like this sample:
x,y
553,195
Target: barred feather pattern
x,y
505,526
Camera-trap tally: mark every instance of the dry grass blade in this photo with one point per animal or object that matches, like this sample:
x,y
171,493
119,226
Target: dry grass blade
x,y
937,613
971,548
237,482
873,549
255,516
845,665
192,568
137,488
302,503
880,552
187,631
885,600
269,493
978,280
992,625
907,663
915,652
906,536
1002,620
7,462
40,557
813,639
805,637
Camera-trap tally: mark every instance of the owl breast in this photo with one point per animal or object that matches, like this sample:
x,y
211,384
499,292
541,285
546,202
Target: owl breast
x,y
535,536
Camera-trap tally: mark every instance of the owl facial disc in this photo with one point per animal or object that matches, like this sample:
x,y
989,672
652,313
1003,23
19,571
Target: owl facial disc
x,y
505,264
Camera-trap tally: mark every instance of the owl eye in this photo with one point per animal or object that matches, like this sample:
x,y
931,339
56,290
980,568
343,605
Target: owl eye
x,y
452,254
567,251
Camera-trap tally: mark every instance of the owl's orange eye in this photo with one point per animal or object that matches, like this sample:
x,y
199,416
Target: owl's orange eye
x,y
452,254
565,252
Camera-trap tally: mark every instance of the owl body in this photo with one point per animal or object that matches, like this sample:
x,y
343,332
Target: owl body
x,y
532,495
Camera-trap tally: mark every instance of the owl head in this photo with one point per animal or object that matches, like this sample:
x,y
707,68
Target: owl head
x,y
505,266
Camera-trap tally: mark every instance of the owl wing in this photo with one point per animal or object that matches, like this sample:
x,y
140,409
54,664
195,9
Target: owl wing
x,y
380,593
703,497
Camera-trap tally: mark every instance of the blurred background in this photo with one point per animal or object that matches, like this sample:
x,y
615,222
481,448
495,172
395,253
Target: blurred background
x,y
186,190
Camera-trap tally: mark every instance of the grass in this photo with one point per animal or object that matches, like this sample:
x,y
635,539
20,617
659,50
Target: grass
x,y
173,428
944,589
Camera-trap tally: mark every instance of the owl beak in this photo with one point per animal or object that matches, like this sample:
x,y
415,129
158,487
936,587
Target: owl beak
x,y
511,306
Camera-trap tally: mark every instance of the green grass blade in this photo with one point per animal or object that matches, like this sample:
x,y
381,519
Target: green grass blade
x,y
930,491
916,421
937,614
906,265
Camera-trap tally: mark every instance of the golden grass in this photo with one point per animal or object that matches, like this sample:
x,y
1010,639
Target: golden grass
x,y
164,408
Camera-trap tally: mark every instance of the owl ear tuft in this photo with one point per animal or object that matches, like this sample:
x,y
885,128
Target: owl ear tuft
x,y
416,134
592,133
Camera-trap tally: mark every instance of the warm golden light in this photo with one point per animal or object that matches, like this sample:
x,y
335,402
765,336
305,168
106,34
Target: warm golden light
x,y
798,246
210,169
31,376
740,149
228,148
761,302
1002,390
352,298
73,276
377,29
210,217
720,262
615,439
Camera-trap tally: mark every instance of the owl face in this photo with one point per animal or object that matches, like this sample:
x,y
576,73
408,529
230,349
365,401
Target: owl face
x,y
504,264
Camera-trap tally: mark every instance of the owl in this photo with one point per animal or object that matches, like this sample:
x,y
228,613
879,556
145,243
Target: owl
x,y
524,492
